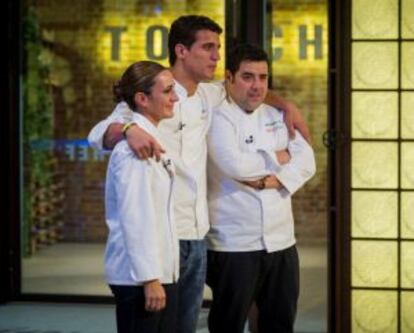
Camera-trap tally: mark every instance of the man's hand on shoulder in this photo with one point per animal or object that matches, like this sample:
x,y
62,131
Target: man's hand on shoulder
x,y
143,144
293,118
295,121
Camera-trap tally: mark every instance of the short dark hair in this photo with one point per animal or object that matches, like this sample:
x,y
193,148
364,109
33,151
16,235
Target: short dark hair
x,y
138,77
183,31
244,52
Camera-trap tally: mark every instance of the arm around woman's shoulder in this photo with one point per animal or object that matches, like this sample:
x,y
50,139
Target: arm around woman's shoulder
x,y
121,115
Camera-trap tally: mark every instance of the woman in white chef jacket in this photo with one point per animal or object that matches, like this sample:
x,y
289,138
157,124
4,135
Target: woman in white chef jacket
x,y
142,255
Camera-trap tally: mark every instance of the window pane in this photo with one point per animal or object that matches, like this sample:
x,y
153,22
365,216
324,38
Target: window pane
x,y
374,19
407,115
374,264
408,18
374,214
407,265
374,115
374,311
407,215
374,165
407,64
407,306
374,65
407,165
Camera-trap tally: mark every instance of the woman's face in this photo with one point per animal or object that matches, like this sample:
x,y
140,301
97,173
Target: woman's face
x,y
160,102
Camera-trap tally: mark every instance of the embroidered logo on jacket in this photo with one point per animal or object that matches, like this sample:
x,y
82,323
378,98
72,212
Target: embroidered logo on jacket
x,y
273,125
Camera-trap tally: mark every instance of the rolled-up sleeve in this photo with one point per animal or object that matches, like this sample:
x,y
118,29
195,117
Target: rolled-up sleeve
x,y
122,114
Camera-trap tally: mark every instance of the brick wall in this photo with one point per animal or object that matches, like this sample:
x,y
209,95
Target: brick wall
x,y
299,71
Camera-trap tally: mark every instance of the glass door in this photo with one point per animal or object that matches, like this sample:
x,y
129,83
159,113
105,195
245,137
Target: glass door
x,y
74,50
298,34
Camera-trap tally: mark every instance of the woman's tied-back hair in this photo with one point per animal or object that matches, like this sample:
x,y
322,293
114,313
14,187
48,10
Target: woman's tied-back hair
x,y
138,77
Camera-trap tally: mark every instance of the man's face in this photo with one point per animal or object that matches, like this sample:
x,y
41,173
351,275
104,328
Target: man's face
x,y
200,59
248,86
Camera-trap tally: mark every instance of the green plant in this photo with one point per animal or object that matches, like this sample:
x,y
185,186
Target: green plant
x,y
37,121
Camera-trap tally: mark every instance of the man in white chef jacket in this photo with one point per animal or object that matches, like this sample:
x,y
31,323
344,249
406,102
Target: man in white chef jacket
x,y
251,244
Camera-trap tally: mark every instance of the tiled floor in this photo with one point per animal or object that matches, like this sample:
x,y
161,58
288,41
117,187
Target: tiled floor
x,y
75,268
56,318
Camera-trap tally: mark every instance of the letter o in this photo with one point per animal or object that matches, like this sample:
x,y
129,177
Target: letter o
x,y
150,42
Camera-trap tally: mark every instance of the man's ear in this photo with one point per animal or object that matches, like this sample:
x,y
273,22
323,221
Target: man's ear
x,y
228,76
141,99
180,50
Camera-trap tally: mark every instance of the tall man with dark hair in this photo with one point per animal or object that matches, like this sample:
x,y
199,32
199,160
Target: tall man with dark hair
x,y
194,52
252,254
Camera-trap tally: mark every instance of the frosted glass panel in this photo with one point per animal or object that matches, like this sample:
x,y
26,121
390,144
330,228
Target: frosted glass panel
x,y
374,165
374,19
374,311
407,265
408,18
407,165
407,215
374,65
407,317
407,63
374,264
374,214
407,114
374,115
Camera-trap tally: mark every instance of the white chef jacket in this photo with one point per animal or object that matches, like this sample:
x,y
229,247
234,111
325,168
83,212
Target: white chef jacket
x,y
242,218
184,138
142,243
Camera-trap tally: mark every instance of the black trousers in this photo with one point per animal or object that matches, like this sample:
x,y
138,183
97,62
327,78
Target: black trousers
x,y
239,278
131,316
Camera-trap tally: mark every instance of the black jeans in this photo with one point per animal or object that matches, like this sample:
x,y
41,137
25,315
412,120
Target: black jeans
x,y
239,278
131,316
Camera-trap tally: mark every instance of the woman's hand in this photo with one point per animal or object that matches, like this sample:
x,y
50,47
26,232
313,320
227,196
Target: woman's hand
x,y
155,298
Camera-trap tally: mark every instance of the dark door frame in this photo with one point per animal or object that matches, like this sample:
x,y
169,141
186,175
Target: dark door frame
x,y
9,227
339,171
